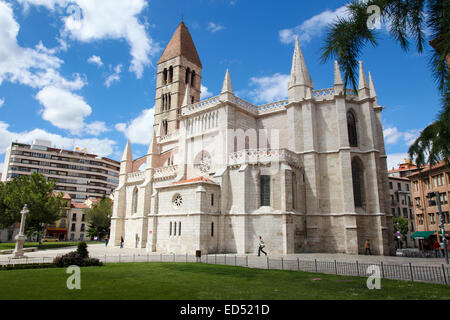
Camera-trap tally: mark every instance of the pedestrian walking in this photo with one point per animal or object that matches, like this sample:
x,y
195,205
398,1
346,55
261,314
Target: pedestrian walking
x,y
442,247
367,245
436,248
262,245
121,242
106,241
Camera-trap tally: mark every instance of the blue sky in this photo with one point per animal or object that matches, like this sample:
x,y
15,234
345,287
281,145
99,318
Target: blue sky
x,y
82,73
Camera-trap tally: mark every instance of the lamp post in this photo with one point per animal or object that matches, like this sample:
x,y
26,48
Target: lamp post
x,y
20,238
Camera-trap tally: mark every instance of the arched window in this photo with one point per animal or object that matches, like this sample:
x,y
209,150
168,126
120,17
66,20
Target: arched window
x,y
169,99
165,76
170,74
352,131
135,200
193,79
358,182
165,125
188,75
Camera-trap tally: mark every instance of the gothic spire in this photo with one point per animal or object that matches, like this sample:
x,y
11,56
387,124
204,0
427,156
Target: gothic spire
x,y
299,71
127,155
362,77
373,93
227,87
337,75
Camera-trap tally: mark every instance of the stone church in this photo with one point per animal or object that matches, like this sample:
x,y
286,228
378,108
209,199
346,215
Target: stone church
x,y
307,174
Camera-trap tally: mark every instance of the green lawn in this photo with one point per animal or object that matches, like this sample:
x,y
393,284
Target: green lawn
x,y
168,281
44,246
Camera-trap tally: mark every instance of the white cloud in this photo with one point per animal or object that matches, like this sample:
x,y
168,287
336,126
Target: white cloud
x,y
205,93
140,129
393,136
101,147
213,27
114,77
36,67
96,60
269,89
95,128
2,102
107,19
67,111
312,27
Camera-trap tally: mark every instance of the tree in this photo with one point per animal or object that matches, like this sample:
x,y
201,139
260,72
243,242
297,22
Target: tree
x,y
406,20
44,206
99,218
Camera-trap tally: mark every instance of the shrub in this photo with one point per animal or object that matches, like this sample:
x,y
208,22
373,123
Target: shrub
x,y
74,258
82,250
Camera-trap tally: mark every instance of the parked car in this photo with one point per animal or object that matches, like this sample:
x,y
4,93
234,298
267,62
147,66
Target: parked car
x,y
49,239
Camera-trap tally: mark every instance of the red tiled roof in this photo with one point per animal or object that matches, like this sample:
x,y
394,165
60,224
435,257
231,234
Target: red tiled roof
x,y
79,205
181,44
199,179
65,194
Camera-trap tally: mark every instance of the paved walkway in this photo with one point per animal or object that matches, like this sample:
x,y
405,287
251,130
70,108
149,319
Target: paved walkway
x,y
128,254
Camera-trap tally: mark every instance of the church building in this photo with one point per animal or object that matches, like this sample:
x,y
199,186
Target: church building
x,y
307,174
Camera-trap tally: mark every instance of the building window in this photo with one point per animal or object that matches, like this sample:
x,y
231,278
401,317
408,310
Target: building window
x,y
432,220
212,229
399,186
72,236
294,190
72,228
405,213
177,200
83,227
407,187
165,76
443,197
212,199
170,74
83,217
391,186
420,219
170,229
393,211
74,217
352,132
265,191
179,228
188,74
135,200
193,79
174,228
358,182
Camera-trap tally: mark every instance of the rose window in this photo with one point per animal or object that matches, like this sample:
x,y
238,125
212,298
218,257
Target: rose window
x,y
177,200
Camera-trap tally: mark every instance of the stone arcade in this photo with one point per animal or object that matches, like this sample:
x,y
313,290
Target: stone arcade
x,y
308,174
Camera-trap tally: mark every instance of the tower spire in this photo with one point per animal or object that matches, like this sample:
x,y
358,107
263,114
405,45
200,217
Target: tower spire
x,y
338,83
227,87
363,86
373,93
300,78
126,164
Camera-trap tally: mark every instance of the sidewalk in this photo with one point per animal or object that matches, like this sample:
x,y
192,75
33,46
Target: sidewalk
x,y
100,250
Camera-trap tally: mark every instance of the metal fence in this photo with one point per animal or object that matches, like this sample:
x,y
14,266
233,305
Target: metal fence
x,y
439,274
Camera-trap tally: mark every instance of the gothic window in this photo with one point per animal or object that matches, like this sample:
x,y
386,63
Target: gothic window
x,y
135,200
352,132
174,228
165,76
265,191
169,101
193,78
179,228
358,182
165,127
294,189
163,102
212,229
170,229
188,75
170,74
192,99
212,199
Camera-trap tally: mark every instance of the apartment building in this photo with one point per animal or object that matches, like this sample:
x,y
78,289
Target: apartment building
x,y
436,179
402,205
78,173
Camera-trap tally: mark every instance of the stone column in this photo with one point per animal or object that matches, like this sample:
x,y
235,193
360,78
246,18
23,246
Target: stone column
x,y
20,238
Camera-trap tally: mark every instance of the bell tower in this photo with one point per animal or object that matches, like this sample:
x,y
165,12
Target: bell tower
x,y
178,67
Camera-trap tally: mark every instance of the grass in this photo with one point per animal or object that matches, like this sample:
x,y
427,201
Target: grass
x,y
44,246
170,281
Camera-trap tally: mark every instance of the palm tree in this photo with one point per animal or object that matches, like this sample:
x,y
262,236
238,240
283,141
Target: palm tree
x,y
406,21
